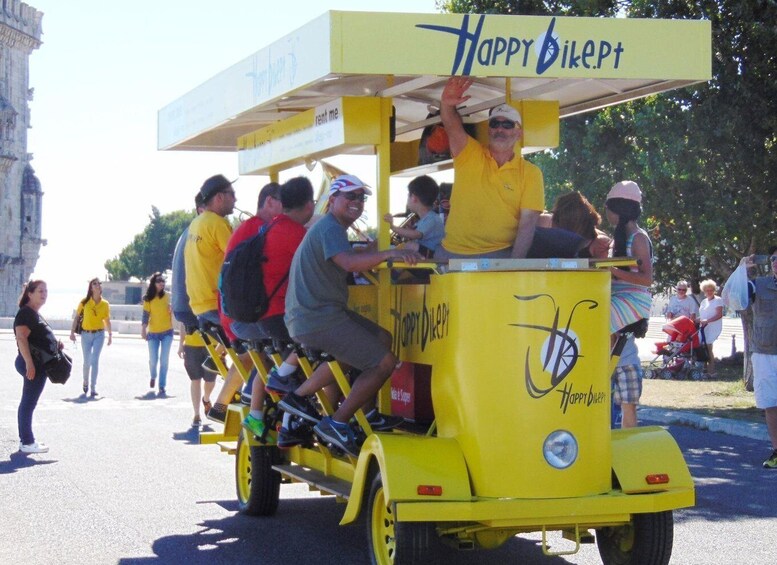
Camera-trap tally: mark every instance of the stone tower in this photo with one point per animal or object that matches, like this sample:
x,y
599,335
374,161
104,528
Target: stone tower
x,y
20,190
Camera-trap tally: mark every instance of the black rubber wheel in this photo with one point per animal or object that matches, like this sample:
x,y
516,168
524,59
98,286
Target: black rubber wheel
x,y
646,541
392,542
258,486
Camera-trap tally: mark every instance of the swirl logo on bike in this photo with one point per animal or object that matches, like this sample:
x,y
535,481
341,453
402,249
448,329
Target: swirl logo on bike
x,y
560,349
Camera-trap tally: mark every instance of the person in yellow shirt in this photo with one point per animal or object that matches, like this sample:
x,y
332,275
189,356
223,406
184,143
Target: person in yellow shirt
x,y
497,195
206,244
157,329
97,320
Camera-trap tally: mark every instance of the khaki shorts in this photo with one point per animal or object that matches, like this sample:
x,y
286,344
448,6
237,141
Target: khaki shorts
x,y
357,341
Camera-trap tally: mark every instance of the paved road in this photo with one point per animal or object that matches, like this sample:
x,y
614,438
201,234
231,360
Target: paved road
x,y
126,483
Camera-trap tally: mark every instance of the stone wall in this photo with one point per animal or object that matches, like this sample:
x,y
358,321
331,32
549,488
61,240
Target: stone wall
x,y
20,192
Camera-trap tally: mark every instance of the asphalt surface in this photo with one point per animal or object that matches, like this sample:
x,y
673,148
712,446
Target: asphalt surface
x,y
126,482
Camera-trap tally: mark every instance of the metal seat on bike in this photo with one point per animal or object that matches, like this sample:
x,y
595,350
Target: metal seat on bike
x,y
215,331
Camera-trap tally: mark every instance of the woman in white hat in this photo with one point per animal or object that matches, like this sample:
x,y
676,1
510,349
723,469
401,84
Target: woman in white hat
x,y
631,297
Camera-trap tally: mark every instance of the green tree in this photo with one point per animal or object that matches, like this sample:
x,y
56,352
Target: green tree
x,y
152,250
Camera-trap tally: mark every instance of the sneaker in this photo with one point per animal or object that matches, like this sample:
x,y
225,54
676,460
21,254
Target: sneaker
x,y
771,463
299,406
197,422
279,384
210,365
383,422
296,436
86,387
339,435
256,427
162,391
152,383
33,448
93,394
218,413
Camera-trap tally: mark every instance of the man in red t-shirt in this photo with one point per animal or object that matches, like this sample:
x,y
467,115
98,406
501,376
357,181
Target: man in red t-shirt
x,y
268,206
281,242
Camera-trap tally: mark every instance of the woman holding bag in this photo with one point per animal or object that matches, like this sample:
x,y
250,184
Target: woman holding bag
x,y
31,331
97,319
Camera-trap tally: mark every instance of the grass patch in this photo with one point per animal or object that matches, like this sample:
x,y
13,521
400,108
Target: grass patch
x,y
724,396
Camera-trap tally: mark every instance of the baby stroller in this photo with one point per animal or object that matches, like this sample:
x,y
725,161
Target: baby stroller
x,y
684,354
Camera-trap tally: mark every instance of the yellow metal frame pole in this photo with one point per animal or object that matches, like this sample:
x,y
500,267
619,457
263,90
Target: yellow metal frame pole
x,y
383,151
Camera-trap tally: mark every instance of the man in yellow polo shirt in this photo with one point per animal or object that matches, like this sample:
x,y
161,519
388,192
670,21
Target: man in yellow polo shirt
x,y
497,196
206,243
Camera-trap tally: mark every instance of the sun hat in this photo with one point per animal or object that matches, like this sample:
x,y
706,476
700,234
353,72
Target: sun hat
x,y
507,112
214,185
626,189
348,183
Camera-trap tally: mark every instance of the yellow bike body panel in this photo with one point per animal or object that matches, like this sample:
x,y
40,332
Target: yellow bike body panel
x,y
407,462
631,467
516,356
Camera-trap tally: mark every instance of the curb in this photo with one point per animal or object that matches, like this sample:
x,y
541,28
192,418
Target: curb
x,y
751,430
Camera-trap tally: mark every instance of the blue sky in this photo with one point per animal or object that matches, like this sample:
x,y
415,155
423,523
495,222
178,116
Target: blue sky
x,y
103,71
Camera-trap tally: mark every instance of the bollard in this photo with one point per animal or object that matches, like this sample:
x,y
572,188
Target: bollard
x,y
733,344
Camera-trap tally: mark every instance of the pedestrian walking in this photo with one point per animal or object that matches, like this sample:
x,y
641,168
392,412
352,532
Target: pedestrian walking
x,y
157,329
96,313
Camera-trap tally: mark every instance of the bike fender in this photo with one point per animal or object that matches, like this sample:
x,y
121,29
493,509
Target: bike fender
x,y
631,466
405,463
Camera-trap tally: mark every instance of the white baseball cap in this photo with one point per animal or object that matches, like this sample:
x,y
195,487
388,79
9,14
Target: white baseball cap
x,y
507,112
348,183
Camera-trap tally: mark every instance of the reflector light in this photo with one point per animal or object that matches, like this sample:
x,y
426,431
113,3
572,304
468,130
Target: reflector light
x,y
429,490
657,479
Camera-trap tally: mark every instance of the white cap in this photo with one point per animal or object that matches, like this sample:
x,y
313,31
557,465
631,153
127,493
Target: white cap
x,y
506,111
348,183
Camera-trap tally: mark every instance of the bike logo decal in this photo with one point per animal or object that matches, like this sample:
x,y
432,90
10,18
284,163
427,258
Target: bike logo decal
x,y
560,350
542,52
418,327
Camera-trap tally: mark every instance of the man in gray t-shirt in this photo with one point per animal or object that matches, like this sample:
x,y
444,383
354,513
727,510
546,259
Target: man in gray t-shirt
x,y
317,314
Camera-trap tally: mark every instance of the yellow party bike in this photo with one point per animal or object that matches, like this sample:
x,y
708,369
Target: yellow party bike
x,y
506,363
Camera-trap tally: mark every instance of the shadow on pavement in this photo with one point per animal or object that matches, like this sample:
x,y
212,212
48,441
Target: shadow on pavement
x,y
192,435
80,399
150,395
724,475
307,531
21,460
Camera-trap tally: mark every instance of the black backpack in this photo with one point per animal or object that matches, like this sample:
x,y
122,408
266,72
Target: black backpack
x,y
241,283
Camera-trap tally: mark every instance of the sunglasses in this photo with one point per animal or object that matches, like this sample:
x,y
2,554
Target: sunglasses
x,y
495,124
353,197
682,289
